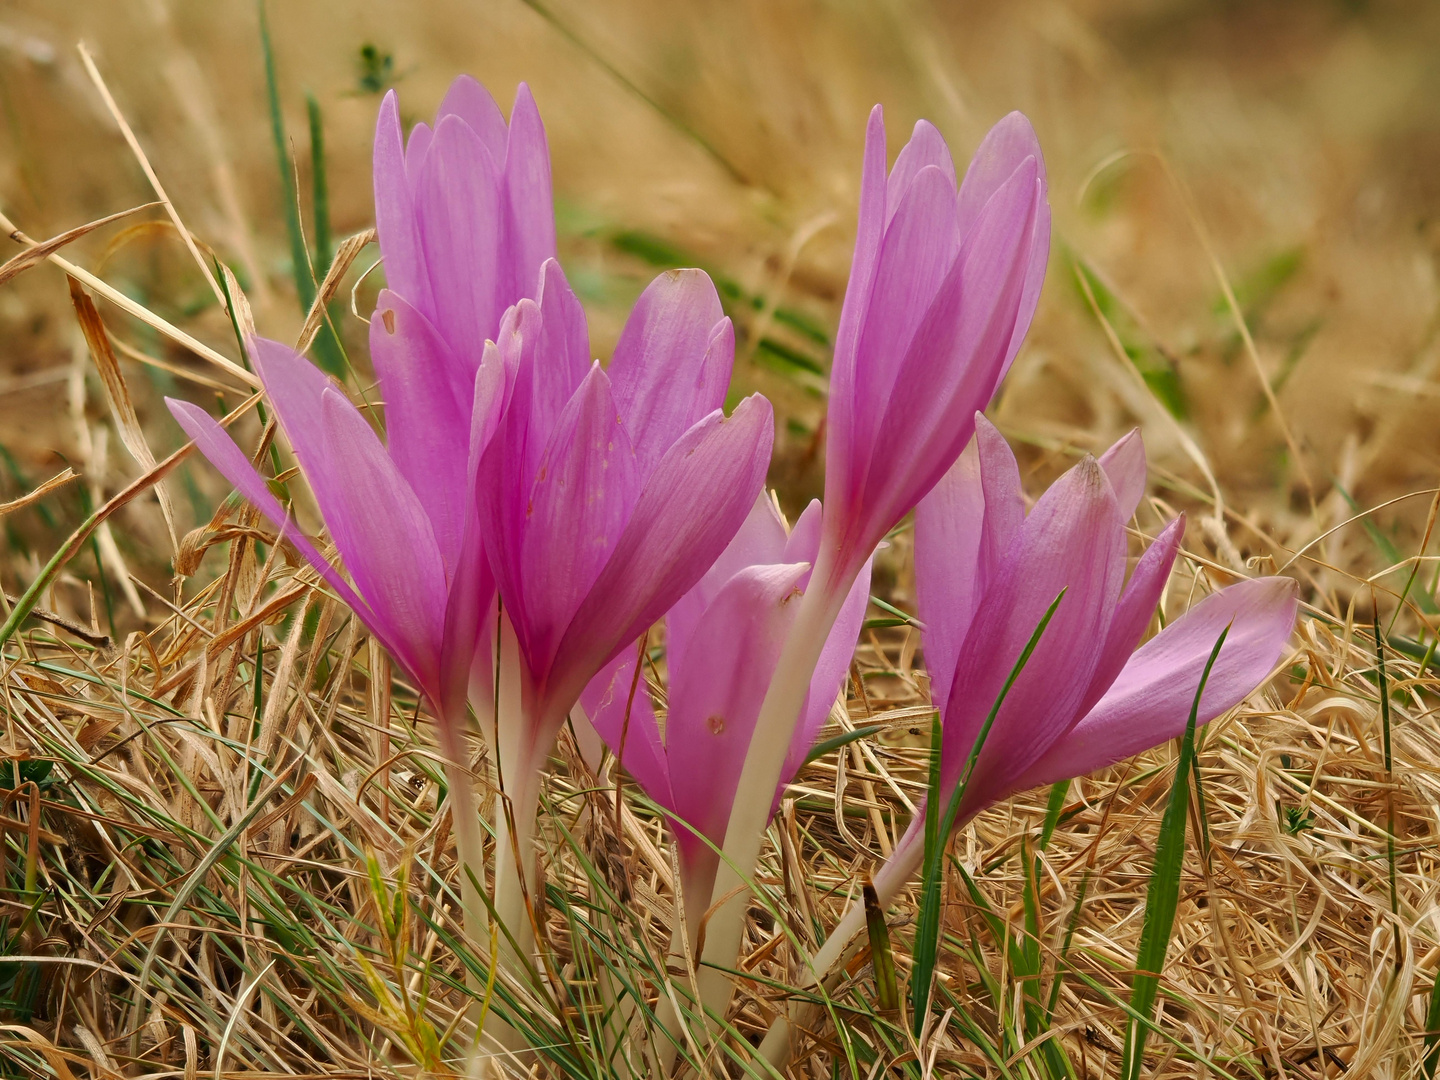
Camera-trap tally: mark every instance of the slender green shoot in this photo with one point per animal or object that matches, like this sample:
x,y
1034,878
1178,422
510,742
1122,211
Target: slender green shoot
x,y
1162,898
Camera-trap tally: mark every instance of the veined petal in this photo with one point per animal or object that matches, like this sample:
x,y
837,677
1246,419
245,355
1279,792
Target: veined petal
x,y
1136,607
1124,464
803,543
715,698
531,205
458,209
471,102
220,450
1150,702
416,147
926,147
576,512
760,540
918,251
395,209
1072,540
870,229
559,360
999,154
963,532
384,538
950,367
666,373
690,508
426,418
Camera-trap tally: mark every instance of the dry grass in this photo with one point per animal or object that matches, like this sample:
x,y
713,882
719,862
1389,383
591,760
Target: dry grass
x,y
217,770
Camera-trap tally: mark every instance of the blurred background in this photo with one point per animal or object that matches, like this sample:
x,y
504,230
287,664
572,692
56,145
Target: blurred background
x,y
1288,152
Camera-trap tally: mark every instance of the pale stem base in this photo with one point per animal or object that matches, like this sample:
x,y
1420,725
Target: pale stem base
x,y
774,728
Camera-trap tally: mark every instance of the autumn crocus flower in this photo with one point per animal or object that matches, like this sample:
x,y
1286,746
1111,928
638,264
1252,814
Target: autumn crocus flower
x,y
722,640
605,495
986,572
942,289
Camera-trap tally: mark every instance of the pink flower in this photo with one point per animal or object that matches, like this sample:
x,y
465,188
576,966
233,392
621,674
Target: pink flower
x,y
722,641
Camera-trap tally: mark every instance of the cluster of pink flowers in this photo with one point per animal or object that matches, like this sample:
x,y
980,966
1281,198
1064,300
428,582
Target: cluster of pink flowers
x,y
530,514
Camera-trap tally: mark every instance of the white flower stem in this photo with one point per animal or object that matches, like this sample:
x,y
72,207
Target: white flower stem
x,y
760,776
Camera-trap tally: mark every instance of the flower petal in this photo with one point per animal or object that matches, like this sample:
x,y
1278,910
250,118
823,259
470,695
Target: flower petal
x,y
950,367
760,540
1124,464
220,450
919,248
1150,702
1072,540
426,418
384,537
870,229
926,147
471,102
627,724
1009,143
1135,610
963,532
458,210
669,369
690,508
395,209
576,512
715,699
527,189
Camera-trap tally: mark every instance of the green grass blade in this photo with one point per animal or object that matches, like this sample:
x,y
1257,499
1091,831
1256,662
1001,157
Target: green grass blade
x,y
1389,764
1432,1033
937,830
882,960
1058,791
845,738
319,189
1162,898
327,348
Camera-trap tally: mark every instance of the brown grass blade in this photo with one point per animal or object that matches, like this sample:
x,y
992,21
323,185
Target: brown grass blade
x,y
43,250
345,257
118,394
56,482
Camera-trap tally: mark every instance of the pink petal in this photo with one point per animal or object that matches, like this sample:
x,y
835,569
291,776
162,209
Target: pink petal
x,y
918,250
947,373
472,103
395,209
760,540
575,515
426,417
1150,702
215,443
1072,540
840,453
458,208
1008,144
1124,464
558,352
527,189
715,698
963,532
999,154
690,508
384,537
1135,610
636,741
667,370
926,147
